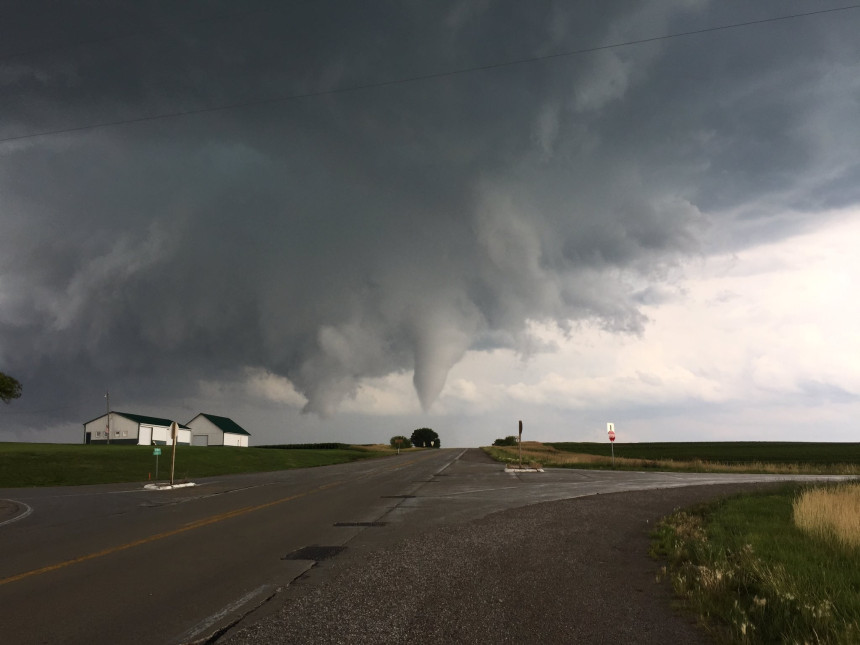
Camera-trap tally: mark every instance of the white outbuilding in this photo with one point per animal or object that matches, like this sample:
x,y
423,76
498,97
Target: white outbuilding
x,y
212,430
133,429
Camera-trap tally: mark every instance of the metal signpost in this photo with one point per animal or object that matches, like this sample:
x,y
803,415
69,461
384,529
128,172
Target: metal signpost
x,y
398,441
156,452
610,430
520,443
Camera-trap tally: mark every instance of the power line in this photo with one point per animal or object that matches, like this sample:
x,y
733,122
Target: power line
x,y
419,78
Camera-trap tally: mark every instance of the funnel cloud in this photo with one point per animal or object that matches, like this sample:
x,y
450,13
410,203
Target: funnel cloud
x,y
333,229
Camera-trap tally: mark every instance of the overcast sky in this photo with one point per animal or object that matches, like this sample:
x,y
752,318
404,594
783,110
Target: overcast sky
x,y
342,221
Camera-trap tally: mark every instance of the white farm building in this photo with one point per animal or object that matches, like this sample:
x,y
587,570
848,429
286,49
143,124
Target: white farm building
x,y
134,429
211,430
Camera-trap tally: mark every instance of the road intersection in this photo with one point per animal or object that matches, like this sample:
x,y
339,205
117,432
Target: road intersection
x,y
122,564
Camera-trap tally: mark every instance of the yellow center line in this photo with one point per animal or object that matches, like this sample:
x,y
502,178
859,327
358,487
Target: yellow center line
x,y
165,534
188,527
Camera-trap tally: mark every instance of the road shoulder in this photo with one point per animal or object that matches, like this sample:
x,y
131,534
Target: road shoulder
x,y
574,570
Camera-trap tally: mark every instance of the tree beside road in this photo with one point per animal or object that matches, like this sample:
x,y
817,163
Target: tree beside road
x,y
10,388
425,438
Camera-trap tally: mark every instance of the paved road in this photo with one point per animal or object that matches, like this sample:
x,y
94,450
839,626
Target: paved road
x,y
488,557
117,564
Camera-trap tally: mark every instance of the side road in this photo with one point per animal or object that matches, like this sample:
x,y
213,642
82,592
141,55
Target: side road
x,y
570,571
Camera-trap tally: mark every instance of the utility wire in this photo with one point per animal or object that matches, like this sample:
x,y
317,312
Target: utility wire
x,y
422,77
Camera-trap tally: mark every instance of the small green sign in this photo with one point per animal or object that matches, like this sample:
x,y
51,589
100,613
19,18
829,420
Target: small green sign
x,y
156,451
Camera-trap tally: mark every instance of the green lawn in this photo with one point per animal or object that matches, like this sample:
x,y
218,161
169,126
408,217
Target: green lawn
x,y
35,464
727,452
754,577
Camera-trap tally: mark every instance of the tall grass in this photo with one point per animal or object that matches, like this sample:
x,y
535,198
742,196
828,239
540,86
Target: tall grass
x,y
755,577
831,513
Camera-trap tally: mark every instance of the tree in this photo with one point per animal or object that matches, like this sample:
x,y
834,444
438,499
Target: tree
x,y
9,388
403,443
424,438
510,440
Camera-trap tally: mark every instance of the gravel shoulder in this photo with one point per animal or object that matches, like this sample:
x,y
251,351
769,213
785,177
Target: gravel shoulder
x,y
566,571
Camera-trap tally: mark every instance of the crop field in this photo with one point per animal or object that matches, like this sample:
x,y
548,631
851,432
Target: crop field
x,y
728,452
755,457
34,464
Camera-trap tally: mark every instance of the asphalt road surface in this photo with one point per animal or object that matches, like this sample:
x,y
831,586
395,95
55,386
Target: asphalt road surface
x,y
322,554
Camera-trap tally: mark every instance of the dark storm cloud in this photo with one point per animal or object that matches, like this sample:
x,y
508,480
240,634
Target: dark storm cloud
x,y
358,234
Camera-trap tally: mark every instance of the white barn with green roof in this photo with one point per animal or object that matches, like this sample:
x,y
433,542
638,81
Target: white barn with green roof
x,y
212,430
133,429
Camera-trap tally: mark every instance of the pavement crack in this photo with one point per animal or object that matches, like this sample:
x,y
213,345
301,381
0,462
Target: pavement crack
x,y
217,634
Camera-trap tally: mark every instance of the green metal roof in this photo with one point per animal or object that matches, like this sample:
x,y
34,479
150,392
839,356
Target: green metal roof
x,y
139,418
150,421
226,425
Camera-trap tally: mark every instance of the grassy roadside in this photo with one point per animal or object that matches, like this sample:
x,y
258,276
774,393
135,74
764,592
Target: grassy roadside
x,y
29,464
724,457
758,578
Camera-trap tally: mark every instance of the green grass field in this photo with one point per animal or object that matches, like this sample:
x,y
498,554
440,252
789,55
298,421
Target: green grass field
x,y
754,577
726,452
35,464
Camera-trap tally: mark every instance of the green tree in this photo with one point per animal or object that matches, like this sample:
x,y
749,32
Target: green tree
x,y
9,388
404,442
424,438
510,440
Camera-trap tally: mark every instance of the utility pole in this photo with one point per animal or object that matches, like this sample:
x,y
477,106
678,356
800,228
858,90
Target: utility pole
x,y
107,396
174,430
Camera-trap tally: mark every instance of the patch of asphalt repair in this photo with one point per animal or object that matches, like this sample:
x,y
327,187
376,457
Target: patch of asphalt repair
x,y
574,570
315,553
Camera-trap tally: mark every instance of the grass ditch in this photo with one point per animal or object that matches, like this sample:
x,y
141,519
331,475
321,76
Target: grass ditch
x,y
753,575
723,457
31,464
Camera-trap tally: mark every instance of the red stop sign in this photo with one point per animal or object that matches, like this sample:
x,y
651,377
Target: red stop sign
x,y
612,435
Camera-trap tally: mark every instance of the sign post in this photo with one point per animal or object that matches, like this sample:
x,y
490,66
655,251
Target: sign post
x,y
610,430
398,441
520,443
156,452
174,430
